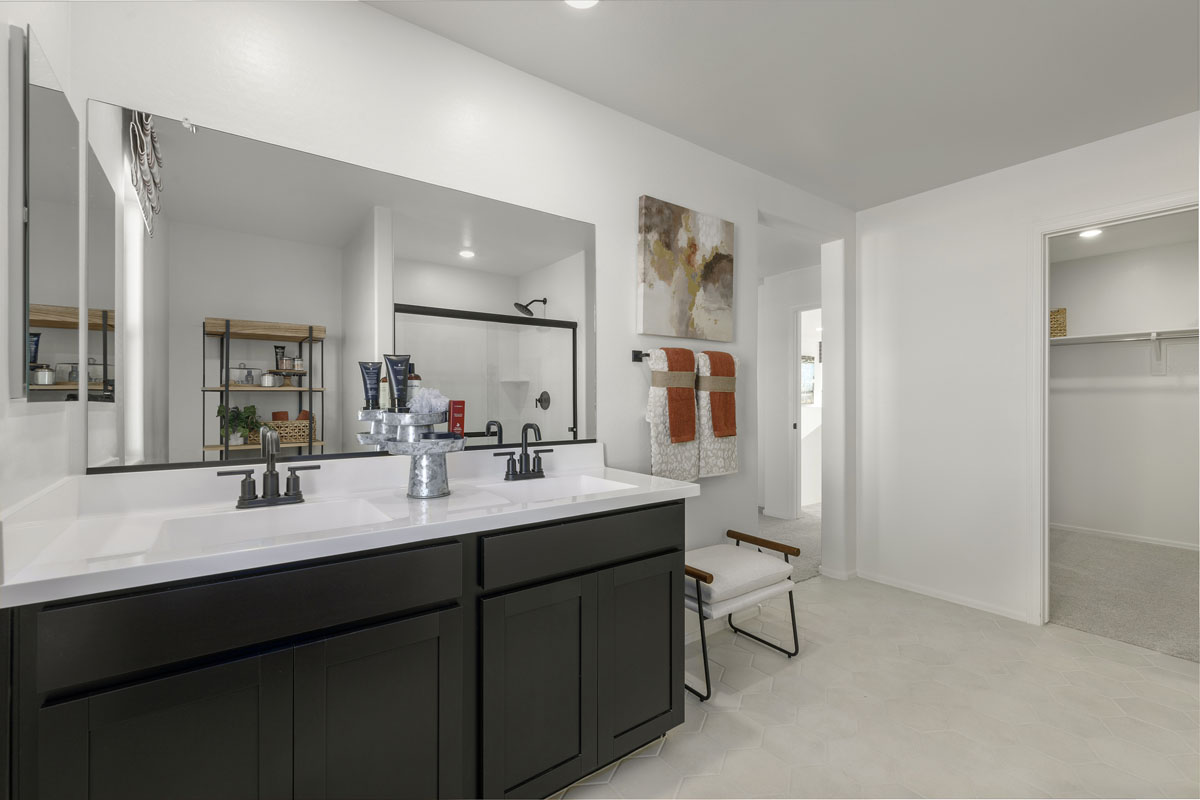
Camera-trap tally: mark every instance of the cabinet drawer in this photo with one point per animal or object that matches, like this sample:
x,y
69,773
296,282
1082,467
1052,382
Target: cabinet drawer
x,y
109,638
525,556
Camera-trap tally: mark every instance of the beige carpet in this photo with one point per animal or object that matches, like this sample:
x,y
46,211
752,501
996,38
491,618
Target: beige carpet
x,y
803,532
1135,592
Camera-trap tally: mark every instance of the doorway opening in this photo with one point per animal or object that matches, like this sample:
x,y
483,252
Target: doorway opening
x,y
806,373
791,391
1122,436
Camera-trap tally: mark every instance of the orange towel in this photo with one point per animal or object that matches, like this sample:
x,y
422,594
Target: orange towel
x,y
681,403
724,404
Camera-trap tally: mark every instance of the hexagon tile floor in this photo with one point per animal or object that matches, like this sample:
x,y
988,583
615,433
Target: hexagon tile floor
x,y
899,695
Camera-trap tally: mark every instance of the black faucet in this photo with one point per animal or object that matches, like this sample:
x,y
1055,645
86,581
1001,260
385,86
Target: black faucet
x,y
537,436
522,470
487,430
248,498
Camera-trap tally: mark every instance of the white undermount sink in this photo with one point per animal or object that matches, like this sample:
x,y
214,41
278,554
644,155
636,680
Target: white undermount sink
x,y
252,527
536,490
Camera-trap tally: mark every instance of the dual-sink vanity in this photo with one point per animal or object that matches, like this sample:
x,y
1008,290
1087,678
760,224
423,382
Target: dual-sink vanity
x,y
172,634
505,640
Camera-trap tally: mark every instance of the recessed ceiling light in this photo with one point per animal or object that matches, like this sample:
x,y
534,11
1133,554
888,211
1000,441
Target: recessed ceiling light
x,y
1092,234
466,253
581,4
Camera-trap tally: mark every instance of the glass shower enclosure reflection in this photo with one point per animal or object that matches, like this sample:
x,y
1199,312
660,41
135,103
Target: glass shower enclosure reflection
x,y
506,368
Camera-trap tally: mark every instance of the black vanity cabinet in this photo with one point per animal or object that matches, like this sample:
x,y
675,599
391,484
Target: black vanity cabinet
x,y
580,671
376,709
640,626
332,680
221,731
508,663
538,690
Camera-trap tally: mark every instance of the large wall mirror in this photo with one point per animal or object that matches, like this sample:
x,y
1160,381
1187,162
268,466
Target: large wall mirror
x,y
248,280
48,280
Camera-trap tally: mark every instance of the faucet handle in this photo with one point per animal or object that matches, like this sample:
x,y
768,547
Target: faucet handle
x,y
510,469
537,458
293,480
249,490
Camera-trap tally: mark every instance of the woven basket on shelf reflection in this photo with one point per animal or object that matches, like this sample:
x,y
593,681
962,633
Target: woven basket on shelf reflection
x,y
1058,322
290,431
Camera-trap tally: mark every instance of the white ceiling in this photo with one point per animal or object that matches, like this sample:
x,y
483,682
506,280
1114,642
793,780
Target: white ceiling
x,y
226,181
1137,235
858,101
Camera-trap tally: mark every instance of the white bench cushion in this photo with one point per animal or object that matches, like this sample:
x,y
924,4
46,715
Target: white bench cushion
x,y
742,601
735,570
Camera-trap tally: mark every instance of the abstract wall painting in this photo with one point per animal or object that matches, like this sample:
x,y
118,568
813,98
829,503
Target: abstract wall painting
x,y
685,272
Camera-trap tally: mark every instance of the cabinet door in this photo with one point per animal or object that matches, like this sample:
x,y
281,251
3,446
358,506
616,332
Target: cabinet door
x,y
640,653
538,688
222,731
378,712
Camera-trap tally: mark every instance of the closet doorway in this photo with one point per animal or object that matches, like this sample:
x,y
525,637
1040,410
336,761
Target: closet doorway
x,y
1123,440
790,298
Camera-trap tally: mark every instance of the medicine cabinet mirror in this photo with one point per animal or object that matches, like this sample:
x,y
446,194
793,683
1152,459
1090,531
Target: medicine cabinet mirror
x,y
44,278
267,274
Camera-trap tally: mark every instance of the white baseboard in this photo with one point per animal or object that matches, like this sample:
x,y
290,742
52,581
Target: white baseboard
x,y
950,597
777,513
837,574
1130,536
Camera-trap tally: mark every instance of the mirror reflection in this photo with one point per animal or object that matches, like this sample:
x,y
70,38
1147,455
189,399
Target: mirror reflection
x,y
267,274
504,372
53,364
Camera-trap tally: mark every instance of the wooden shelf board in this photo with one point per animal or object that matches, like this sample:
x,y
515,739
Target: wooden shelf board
x,y
47,316
213,448
262,331
233,387
64,387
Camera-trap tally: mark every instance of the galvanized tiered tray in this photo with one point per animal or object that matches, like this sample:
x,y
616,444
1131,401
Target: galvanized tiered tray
x,y
399,433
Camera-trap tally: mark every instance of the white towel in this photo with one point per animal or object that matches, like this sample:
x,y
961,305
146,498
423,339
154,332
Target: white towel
x,y
667,460
718,456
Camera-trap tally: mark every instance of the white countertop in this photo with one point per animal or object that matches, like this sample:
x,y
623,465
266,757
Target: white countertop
x,y
102,533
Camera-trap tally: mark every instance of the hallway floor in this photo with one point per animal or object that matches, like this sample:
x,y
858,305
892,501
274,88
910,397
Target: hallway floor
x,y
1137,592
803,532
899,695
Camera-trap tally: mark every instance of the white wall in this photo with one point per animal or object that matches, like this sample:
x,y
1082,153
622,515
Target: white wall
x,y
437,285
477,362
300,70
950,458
564,284
468,123
780,297
159,405
223,273
366,316
1154,288
1123,454
54,274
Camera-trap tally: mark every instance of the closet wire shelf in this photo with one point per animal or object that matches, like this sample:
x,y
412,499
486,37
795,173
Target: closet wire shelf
x,y
1139,336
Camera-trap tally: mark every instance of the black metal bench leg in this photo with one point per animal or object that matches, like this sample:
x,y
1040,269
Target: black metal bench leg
x,y
795,634
703,650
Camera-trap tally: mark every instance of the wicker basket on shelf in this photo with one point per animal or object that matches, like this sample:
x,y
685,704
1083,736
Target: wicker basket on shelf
x,y
293,431
1058,322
